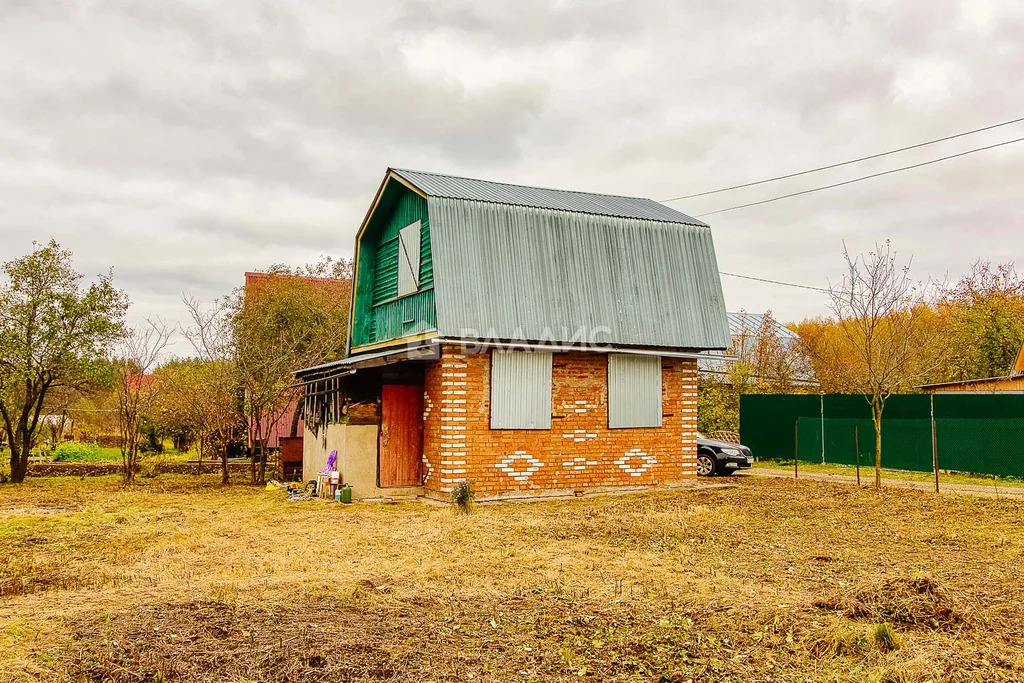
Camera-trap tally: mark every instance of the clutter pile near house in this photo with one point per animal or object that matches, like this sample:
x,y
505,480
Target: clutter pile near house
x,y
326,486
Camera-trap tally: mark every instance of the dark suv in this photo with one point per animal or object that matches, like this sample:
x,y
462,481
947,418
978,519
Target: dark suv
x,y
721,457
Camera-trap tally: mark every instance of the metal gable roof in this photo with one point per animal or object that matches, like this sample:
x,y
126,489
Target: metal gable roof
x,y
743,324
454,187
513,272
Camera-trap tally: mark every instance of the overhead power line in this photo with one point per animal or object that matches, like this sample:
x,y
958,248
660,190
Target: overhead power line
x,y
844,163
857,180
773,282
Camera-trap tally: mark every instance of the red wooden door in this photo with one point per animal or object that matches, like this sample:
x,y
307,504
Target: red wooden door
x,y
401,436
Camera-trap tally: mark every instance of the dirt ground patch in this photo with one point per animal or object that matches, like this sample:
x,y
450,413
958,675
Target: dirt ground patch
x,y
772,580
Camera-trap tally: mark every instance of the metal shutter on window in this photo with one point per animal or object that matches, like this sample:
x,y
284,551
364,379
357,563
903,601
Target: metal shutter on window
x,y
409,259
520,390
634,391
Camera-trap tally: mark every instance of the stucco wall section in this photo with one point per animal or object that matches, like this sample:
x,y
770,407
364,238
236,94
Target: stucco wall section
x,y
357,460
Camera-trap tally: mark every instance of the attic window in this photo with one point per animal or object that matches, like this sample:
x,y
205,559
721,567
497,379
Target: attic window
x,y
409,259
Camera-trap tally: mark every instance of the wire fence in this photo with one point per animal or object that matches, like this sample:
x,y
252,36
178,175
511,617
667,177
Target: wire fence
x,y
970,433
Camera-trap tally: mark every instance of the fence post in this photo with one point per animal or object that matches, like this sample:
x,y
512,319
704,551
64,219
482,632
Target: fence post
x,y
856,450
796,449
822,428
935,444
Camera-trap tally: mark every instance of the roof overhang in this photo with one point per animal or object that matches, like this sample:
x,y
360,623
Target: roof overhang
x,y
556,347
432,351
965,382
348,366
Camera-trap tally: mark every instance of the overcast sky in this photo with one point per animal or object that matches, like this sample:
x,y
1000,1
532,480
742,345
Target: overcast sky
x,y
185,142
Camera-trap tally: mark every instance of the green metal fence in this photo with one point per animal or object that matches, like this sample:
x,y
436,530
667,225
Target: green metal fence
x,y
980,433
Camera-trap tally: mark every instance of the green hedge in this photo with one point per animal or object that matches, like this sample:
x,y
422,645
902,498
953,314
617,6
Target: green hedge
x,y
78,451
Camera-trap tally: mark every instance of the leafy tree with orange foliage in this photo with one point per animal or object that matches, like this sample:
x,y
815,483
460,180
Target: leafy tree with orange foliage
x,y
289,319
198,400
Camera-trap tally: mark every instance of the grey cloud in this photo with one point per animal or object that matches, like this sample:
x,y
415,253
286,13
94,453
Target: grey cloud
x,y
524,23
185,142
166,280
266,233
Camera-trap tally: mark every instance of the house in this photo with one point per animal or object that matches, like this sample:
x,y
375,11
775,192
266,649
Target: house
x,y
287,423
528,339
1011,383
760,341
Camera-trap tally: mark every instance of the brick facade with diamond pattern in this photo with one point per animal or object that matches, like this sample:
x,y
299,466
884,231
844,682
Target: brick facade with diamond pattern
x,y
578,452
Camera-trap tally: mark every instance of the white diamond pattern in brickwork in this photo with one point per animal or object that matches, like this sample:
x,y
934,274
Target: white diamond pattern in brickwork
x,y
635,462
512,465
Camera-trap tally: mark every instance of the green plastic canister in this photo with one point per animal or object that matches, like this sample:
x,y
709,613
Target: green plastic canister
x,y
346,494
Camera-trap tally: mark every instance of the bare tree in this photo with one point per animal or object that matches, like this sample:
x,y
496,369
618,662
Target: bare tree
x,y
140,351
210,332
884,317
214,402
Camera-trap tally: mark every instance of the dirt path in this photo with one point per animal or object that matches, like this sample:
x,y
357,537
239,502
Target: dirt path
x,y
990,490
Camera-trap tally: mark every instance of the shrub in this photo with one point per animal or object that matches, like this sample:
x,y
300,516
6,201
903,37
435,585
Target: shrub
x,y
462,497
76,450
886,637
150,466
151,443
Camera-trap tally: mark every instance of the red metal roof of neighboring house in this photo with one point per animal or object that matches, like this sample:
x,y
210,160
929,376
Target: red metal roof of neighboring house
x,y
253,277
255,281
138,381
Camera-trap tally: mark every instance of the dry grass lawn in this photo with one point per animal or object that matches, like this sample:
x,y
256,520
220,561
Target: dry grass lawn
x,y
181,580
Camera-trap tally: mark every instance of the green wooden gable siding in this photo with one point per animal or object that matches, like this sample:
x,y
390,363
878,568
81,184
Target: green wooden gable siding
x,y
380,315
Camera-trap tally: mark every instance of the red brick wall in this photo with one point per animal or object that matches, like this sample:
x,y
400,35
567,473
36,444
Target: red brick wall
x,y
579,451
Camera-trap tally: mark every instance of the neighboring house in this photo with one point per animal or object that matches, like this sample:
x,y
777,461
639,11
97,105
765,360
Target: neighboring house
x,y
530,340
744,330
1011,383
745,327
274,428
141,382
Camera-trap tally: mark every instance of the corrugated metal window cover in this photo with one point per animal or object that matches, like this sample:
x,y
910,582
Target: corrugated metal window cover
x,y
520,390
634,391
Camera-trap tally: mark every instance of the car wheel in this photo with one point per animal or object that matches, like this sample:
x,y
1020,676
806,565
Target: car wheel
x,y
705,465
